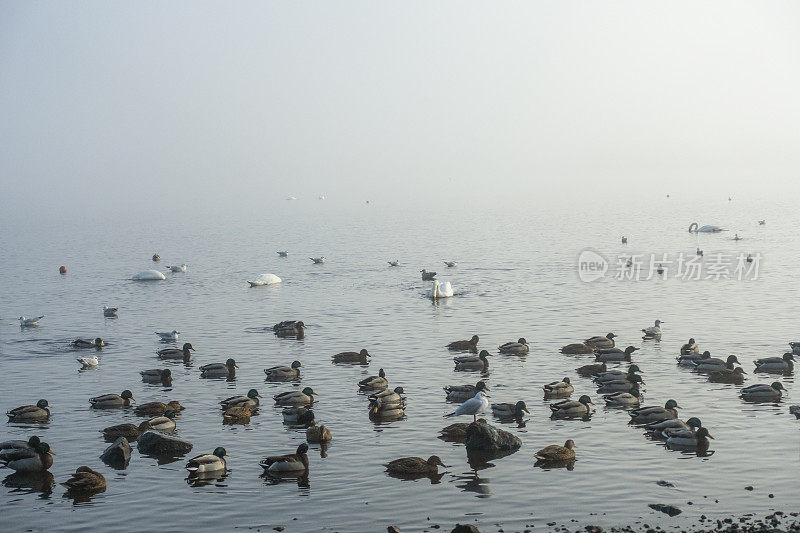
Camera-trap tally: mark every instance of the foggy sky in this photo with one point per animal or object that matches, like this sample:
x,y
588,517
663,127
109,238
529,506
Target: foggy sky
x,y
127,103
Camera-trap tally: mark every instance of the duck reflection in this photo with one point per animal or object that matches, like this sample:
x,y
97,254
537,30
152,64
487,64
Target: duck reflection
x,y
31,482
472,482
203,479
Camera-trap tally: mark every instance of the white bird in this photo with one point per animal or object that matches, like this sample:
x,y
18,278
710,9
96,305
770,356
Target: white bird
x,y
88,362
292,198
265,279
149,275
475,405
318,260
109,312
168,336
283,254
652,331
394,263
175,268
450,264
29,322
440,290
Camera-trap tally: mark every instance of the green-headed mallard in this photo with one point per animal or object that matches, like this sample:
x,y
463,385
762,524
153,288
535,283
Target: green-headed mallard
x,y
291,463
157,408
213,462
712,364
690,348
509,410
601,342
619,385
629,398
165,422
409,466
86,480
300,416
303,397
462,393
157,375
684,439
251,399
571,408
685,430
389,397
11,446
113,401
374,382
648,415
577,348
361,357
184,353
316,434
591,370
692,358
515,348
470,345
614,354
671,423
36,459
238,414
82,343
729,374
219,370
30,413
555,453
762,391
776,365
472,362
283,373
615,375
558,389
290,328
389,411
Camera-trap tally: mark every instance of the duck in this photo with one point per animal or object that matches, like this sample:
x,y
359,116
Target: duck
x,y
25,322
318,434
657,427
177,268
653,331
695,440
462,393
776,365
389,397
283,373
450,264
762,222
165,422
555,453
691,359
457,432
289,328
82,343
157,408
300,416
615,354
558,389
509,410
395,263
88,362
629,398
647,415
591,370
615,375
685,429
795,410
601,342
113,401
304,397
296,462
374,382
577,348
86,480
219,370
690,348
762,391
213,462
157,375
184,353
472,362
36,459
713,364
428,276
361,357
318,260
699,252
378,410
283,253
129,431
410,466
156,258
515,348
11,446
30,413
620,385
729,374
168,336
109,312
473,406
624,240
251,399
571,408
238,414
470,345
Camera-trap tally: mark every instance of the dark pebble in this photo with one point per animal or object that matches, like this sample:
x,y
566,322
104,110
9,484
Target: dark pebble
x,y
670,510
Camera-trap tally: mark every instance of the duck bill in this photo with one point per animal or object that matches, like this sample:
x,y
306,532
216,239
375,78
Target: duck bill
x,y
524,409
709,436
235,365
192,349
259,395
51,452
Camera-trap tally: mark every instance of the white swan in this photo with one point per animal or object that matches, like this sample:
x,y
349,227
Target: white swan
x,y
265,279
703,229
149,275
440,290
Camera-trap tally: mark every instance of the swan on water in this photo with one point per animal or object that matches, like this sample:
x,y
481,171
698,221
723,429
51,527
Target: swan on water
x,y
149,275
265,279
440,290
695,228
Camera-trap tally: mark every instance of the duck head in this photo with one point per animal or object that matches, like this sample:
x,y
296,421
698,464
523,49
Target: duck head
x,y
522,340
253,394
308,391
381,373
169,413
484,354
364,352
733,359
570,444
519,407
99,342
434,460
788,357
633,369
296,365
703,433
302,449
611,336
187,346
694,422
671,404
585,400
220,452
127,395
231,364
42,404
481,385
630,349
777,386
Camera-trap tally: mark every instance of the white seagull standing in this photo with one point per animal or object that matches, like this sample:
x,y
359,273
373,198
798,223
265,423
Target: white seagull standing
x,y
28,322
168,336
477,404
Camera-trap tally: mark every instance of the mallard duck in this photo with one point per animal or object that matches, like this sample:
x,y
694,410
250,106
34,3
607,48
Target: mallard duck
x,y
296,462
219,370
36,459
11,446
762,391
25,322
385,411
30,413
168,336
691,359
457,432
374,382
164,423
591,370
109,312
601,342
558,389
88,362
157,375
690,440
712,364
177,353
652,331
301,416
470,345
428,276
571,408
389,397
690,348
472,362
352,357
113,401
577,348
614,354
415,466
794,409
129,431
304,397
473,406
629,398
729,374
82,343
238,414
515,348
615,375
657,427
776,365
555,453
289,328
509,410
316,434
462,393
213,462
648,415
86,480
157,408
283,373
686,430
620,385
251,399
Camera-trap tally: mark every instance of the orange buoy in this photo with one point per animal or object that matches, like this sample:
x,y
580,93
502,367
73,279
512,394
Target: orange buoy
x,y
62,269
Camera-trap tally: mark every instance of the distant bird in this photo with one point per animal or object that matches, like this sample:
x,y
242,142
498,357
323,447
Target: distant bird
x,y
283,254
736,237
473,406
624,240
450,264
175,268
29,322
699,252
653,331
471,345
109,312
88,362
156,258
289,328
749,258
428,276
318,260
395,263
762,222
660,269
83,343
168,336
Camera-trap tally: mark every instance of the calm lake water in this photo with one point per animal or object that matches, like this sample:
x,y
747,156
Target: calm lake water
x,y
517,276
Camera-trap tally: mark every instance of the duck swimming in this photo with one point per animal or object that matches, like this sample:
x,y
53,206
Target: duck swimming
x,y
213,462
318,434
238,414
470,345
250,399
614,354
36,459
473,362
462,393
304,397
283,373
184,353
157,375
555,453
219,370
410,466
648,415
109,312
81,343
686,439
374,382
616,375
509,410
776,365
691,359
629,398
86,480
290,328
690,348
571,408
577,348
157,408
378,410
291,463
591,370
620,385
515,348
361,357
558,389
712,364
113,401
601,342
30,413
389,397
729,374
11,446
298,415
763,392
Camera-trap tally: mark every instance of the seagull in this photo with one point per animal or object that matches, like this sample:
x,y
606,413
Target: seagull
x,y
624,240
181,268
428,276
283,254
652,331
660,269
762,222
395,263
699,252
450,264
473,406
88,362
737,238
168,336
29,322
109,312
318,260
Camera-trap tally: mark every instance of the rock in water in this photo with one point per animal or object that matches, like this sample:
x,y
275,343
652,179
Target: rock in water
x,y
118,455
667,509
155,443
465,528
487,439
